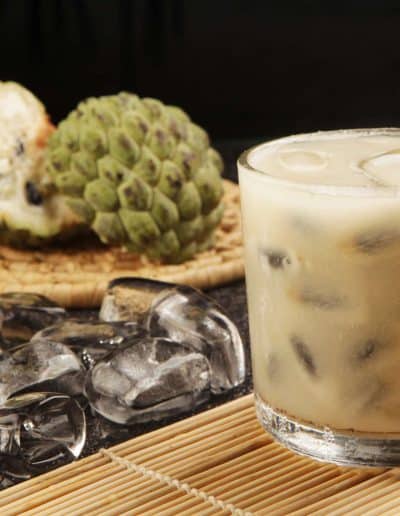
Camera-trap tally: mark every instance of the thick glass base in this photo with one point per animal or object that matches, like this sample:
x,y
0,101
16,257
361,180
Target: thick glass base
x,y
327,445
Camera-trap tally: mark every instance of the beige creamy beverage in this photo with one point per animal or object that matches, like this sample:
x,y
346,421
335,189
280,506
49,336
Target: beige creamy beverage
x,y
321,220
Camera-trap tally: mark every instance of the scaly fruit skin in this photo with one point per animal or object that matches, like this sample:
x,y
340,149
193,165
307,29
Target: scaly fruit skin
x,y
140,173
25,219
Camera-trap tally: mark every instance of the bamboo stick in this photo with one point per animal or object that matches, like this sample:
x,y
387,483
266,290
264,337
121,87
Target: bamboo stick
x,y
226,456
238,495
69,487
388,499
359,492
310,494
357,506
153,493
173,467
393,512
188,450
150,491
252,461
185,431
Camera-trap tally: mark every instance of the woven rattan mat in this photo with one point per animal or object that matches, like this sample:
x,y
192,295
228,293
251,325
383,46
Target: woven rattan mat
x,y
77,276
218,462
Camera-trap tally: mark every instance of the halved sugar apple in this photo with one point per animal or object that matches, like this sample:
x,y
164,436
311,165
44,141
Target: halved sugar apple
x,y
24,129
139,173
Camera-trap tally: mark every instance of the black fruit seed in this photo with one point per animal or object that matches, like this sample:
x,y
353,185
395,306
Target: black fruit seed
x,y
33,196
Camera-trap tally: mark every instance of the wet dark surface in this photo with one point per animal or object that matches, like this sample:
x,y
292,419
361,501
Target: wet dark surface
x,y
232,297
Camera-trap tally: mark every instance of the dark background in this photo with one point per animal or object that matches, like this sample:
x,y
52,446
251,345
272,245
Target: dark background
x,y
241,68
244,69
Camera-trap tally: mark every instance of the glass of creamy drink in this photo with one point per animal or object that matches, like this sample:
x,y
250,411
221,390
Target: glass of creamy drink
x,y
321,224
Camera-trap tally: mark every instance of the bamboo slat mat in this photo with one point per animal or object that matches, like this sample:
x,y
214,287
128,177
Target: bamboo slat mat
x,y
216,463
77,276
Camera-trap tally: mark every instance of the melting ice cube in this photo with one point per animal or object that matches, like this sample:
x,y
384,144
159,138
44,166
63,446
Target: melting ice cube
x,y
150,379
51,428
44,427
38,362
300,160
129,299
23,314
90,340
384,168
185,315
9,434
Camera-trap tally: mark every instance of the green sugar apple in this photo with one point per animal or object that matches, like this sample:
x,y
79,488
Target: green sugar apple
x,y
135,171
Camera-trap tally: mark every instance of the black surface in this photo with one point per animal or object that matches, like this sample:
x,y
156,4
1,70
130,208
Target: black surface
x,y
240,67
232,298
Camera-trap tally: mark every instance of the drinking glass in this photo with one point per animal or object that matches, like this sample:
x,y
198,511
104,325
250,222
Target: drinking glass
x,y
322,265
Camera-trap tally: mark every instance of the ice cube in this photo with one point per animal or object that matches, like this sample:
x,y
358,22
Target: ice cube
x,y
299,160
52,428
20,401
47,427
14,467
150,379
383,169
108,381
5,482
23,314
38,362
9,434
128,299
185,315
90,340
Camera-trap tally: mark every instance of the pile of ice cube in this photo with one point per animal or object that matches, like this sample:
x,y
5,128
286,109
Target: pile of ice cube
x,y
156,350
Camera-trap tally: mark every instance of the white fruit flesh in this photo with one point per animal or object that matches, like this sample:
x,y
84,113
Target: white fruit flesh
x,y
23,126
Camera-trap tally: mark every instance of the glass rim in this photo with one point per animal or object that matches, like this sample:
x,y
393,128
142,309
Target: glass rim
x,y
243,162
